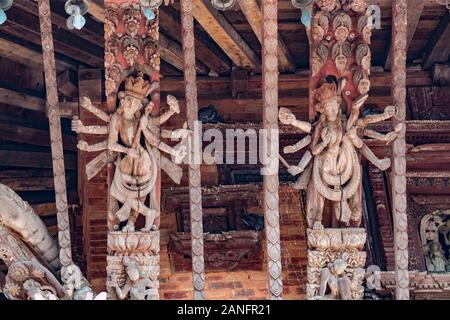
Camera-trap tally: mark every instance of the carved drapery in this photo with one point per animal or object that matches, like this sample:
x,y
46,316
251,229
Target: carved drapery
x,y
195,193
398,182
48,55
270,123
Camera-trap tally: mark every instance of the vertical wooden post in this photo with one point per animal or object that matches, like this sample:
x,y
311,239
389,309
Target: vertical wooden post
x,y
65,252
270,124
399,40
195,192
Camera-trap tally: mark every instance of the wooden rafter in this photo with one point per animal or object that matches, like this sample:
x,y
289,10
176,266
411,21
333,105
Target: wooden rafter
x,y
415,9
438,48
253,14
225,35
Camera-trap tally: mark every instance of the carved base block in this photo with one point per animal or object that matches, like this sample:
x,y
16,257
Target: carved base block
x,y
335,264
133,265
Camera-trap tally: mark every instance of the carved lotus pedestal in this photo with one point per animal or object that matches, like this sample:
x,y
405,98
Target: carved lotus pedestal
x,y
138,250
335,263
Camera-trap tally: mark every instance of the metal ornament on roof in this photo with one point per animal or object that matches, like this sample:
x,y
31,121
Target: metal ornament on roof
x,y
223,4
76,9
4,5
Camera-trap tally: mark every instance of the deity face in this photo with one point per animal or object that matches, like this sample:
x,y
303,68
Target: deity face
x,y
331,108
130,104
339,266
341,62
133,273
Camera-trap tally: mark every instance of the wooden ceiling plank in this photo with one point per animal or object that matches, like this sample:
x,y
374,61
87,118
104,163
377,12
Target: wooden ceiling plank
x,y
253,14
438,48
415,9
223,33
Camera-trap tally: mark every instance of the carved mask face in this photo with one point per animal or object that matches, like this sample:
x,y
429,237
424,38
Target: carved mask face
x,y
341,62
331,109
341,34
364,86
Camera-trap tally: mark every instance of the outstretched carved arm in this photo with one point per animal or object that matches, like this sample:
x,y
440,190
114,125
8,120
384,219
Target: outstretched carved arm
x,y
356,107
388,113
79,127
388,137
84,146
298,146
288,118
382,164
87,104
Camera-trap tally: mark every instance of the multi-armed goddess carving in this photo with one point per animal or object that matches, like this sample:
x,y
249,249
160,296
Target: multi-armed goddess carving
x,y
137,161
330,168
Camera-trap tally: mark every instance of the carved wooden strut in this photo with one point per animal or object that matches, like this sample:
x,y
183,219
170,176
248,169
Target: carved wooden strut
x,y
270,123
399,43
48,54
195,193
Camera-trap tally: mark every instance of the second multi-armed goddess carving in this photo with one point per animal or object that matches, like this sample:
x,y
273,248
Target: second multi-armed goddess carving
x,y
330,169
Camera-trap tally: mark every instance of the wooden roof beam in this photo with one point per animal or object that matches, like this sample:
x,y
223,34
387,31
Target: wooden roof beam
x,y
22,100
415,9
215,60
29,54
438,49
172,53
225,35
253,14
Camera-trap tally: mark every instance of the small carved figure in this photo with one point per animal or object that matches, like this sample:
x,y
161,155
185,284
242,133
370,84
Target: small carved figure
x,y
36,291
334,280
435,258
138,286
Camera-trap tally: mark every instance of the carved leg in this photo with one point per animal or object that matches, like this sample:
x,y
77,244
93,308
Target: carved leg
x,y
314,207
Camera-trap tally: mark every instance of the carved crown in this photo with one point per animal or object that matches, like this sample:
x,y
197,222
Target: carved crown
x,y
137,86
326,91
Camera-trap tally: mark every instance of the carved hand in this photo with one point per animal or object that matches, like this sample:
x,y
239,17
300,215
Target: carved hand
x,y
82,145
181,133
389,112
294,170
384,164
289,149
179,154
326,136
133,153
144,121
86,103
173,104
77,126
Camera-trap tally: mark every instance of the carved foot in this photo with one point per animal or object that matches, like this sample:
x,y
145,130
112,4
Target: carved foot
x,y
317,225
128,228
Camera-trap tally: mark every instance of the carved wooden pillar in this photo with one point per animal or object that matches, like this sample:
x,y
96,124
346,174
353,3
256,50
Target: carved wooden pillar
x,y
270,124
195,192
48,54
399,43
